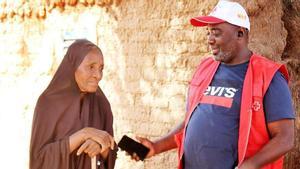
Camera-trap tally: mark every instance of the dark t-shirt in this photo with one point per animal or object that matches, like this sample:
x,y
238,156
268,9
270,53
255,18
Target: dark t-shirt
x,y
212,133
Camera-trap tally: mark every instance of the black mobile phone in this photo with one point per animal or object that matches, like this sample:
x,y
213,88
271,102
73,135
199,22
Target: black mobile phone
x,y
131,146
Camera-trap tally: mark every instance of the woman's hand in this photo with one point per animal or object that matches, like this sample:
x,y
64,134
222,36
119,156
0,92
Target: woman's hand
x,y
90,147
104,139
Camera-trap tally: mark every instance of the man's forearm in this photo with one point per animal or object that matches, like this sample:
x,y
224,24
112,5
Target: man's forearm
x,y
167,142
281,142
271,152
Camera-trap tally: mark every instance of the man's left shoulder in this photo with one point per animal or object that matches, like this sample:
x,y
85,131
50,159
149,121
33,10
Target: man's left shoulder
x,y
262,59
265,63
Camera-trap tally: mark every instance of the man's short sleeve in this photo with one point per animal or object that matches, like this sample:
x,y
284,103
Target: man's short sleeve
x,y
278,101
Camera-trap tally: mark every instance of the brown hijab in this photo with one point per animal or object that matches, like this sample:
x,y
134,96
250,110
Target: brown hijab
x,y
59,113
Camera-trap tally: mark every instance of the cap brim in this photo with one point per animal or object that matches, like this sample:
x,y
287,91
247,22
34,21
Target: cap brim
x,y
205,20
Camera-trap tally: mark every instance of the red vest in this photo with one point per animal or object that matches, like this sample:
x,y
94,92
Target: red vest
x,y
253,134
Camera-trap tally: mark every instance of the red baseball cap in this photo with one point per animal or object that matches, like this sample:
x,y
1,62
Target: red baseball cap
x,y
205,20
224,11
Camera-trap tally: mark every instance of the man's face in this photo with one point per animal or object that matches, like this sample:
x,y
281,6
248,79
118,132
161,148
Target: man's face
x,y
89,72
223,42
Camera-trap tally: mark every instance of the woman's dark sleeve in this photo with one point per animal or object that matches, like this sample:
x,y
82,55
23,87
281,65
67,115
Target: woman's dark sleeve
x,y
46,152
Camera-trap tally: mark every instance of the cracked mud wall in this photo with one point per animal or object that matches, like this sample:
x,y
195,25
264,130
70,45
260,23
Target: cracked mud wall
x,y
291,56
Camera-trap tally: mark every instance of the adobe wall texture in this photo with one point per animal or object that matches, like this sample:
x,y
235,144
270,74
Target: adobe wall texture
x,y
150,53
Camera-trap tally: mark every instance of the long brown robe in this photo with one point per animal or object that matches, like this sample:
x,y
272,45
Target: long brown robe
x,y
59,113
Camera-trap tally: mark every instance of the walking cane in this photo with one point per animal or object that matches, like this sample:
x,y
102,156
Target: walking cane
x,y
93,163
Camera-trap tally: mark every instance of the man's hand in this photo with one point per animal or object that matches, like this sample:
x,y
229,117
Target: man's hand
x,y
163,144
149,144
248,165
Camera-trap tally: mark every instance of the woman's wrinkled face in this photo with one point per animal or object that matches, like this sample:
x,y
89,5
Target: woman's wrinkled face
x,y
89,72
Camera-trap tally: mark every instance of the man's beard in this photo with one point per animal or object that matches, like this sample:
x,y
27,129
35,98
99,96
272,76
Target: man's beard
x,y
222,56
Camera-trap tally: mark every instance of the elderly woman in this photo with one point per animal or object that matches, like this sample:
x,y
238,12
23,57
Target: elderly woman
x,y
73,119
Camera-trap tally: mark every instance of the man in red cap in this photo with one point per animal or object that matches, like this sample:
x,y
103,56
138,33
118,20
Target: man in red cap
x,y
239,107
